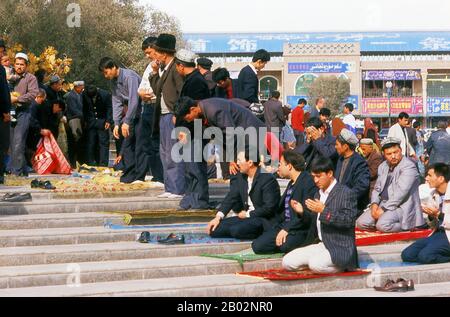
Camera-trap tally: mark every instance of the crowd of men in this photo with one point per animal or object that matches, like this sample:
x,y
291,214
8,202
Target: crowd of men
x,y
338,182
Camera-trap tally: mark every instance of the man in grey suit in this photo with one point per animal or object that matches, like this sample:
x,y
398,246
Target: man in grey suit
x,y
273,112
395,204
330,245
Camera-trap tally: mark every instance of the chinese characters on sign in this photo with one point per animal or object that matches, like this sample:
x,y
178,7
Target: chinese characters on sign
x,y
379,106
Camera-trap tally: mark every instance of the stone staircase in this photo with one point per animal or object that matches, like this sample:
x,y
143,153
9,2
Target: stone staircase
x,y
59,247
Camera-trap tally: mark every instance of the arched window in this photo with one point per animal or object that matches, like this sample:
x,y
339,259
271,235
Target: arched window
x,y
303,83
266,85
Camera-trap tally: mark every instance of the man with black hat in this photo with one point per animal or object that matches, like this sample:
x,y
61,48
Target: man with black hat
x,y
204,66
248,79
167,84
5,118
195,87
395,202
97,105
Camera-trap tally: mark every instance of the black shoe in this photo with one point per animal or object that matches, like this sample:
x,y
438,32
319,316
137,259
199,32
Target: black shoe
x,y
145,237
23,174
17,198
173,239
46,185
35,183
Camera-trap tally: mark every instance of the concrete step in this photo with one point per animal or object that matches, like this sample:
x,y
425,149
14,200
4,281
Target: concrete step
x,y
77,253
140,269
421,290
39,195
41,221
78,235
94,272
88,205
231,285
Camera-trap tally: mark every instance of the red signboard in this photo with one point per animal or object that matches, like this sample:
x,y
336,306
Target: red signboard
x,y
379,106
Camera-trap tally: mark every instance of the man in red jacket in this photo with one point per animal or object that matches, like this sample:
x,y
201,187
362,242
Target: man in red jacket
x,y
297,121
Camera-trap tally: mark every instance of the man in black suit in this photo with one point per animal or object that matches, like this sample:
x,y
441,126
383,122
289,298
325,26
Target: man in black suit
x,y
290,231
98,116
248,79
5,118
226,87
330,246
254,197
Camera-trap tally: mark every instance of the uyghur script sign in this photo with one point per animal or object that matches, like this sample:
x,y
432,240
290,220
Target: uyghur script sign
x,y
391,75
325,67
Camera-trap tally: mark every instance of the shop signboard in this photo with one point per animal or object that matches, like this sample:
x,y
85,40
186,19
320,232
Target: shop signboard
x,y
319,67
438,106
391,75
379,106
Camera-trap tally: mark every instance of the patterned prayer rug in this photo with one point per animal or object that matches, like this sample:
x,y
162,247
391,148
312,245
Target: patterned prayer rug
x,y
364,238
283,275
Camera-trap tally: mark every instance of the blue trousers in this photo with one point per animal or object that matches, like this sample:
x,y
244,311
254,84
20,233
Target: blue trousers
x,y
147,147
98,145
431,250
197,191
18,141
234,227
128,152
174,179
4,145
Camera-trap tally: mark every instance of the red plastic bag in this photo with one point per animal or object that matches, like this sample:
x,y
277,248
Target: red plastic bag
x,y
49,158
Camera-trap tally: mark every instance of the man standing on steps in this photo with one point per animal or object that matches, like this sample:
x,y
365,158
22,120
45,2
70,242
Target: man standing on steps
x,y
167,84
126,111
196,87
149,141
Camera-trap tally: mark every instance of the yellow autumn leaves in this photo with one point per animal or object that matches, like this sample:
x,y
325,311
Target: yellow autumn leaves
x,y
48,60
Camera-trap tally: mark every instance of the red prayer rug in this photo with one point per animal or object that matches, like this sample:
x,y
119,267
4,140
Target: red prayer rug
x,y
283,275
364,238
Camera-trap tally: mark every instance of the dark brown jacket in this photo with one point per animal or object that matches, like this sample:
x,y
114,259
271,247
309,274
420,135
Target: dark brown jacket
x,y
168,85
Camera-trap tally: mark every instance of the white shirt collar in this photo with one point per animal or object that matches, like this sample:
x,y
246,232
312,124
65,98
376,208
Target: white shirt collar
x,y
253,67
329,189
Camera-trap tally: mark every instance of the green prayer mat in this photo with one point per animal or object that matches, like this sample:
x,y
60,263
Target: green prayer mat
x,y
246,255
